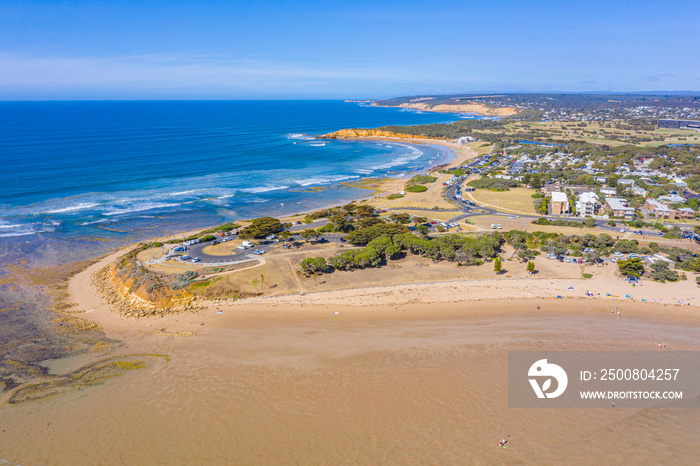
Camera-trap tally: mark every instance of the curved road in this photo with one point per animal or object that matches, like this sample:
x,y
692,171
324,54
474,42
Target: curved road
x,y
239,255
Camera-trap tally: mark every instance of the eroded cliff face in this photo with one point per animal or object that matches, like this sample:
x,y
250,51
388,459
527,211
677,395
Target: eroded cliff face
x,y
469,107
136,292
369,133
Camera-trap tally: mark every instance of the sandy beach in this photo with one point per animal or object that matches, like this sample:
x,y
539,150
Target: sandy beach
x,y
410,373
405,363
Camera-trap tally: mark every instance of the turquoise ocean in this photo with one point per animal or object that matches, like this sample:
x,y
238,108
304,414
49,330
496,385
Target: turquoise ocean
x,y
80,179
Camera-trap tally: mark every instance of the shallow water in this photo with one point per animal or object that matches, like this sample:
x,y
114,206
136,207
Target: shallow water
x,y
99,169
81,179
301,387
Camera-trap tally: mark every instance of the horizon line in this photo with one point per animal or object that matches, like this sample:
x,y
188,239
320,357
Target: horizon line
x,y
686,93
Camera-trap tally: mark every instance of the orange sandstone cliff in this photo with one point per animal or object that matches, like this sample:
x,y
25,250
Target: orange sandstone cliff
x,y
355,133
468,107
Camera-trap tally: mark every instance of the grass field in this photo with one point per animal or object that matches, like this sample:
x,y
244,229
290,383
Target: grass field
x,y
516,200
596,133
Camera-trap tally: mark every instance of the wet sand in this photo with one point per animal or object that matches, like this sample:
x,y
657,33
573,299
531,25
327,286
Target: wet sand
x,y
278,381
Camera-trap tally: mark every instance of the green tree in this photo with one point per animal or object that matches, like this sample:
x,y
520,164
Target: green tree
x,y
310,233
261,227
631,267
497,265
661,273
312,265
365,235
592,257
386,246
364,211
341,224
530,267
400,217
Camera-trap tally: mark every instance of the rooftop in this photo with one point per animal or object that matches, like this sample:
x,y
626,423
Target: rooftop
x,y
558,196
617,203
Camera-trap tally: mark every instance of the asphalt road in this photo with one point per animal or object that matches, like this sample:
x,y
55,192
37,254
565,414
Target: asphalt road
x,y
470,211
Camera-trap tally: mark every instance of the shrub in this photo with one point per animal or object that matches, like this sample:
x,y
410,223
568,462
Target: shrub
x,y
207,238
661,273
587,275
365,235
589,222
261,227
391,197
416,189
182,280
312,265
421,179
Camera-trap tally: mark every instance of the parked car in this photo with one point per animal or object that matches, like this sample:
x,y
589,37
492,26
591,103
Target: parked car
x,y
499,226
617,254
196,259
493,226
568,259
185,258
551,256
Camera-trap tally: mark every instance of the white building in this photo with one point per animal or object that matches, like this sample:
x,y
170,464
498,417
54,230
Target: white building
x,y
608,192
672,198
638,191
587,204
619,207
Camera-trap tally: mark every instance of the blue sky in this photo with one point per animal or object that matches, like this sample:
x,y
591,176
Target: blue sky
x,y
309,49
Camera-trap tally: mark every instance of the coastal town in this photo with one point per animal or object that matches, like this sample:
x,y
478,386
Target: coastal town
x,y
632,209
349,233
